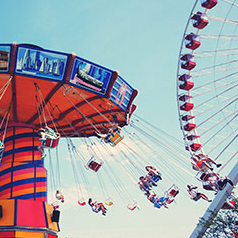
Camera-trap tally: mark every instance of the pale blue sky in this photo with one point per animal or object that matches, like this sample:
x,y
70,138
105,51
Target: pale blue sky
x,y
139,38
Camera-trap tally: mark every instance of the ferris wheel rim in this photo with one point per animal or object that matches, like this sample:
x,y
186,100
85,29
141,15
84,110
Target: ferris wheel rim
x,y
178,74
190,93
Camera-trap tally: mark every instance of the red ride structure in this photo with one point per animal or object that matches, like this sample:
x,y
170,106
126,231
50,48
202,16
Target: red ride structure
x,y
43,88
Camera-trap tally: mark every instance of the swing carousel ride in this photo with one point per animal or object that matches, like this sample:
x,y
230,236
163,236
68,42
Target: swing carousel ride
x,y
45,96
207,95
48,98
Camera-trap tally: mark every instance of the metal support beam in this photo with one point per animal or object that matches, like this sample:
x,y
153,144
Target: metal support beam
x,y
217,203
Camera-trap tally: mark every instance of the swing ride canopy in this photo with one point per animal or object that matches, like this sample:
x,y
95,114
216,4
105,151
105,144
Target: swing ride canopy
x,y
42,87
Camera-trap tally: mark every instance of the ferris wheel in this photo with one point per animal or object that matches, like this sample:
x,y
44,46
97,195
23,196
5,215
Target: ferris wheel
x,y
207,89
207,80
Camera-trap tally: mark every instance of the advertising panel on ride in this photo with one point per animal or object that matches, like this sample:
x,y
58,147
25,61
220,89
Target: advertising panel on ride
x,y
40,63
90,76
4,58
121,93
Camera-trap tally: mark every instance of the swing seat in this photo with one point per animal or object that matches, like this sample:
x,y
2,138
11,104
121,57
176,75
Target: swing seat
x,y
171,193
205,176
170,201
81,203
155,178
208,187
174,192
94,165
200,175
229,205
114,138
2,149
160,202
158,205
132,207
51,142
109,202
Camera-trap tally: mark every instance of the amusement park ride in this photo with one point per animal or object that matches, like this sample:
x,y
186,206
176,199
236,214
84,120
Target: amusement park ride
x,y
47,95
45,89
207,91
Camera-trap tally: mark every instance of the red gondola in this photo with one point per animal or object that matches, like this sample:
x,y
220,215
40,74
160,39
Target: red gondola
x,y
185,77
184,97
209,4
188,63
187,106
191,42
187,117
199,20
186,85
192,137
194,147
189,126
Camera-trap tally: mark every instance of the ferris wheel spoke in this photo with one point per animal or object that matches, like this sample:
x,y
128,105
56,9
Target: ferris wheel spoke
x,y
221,66
231,3
229,144
217,137
234,154
220,37
224,20
211,71
212,118
205,89
211,107
220,143
207,105
231,75
216,123
216,53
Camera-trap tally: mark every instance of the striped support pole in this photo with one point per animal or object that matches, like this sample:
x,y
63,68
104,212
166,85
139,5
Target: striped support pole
x,y
24,211
216,205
